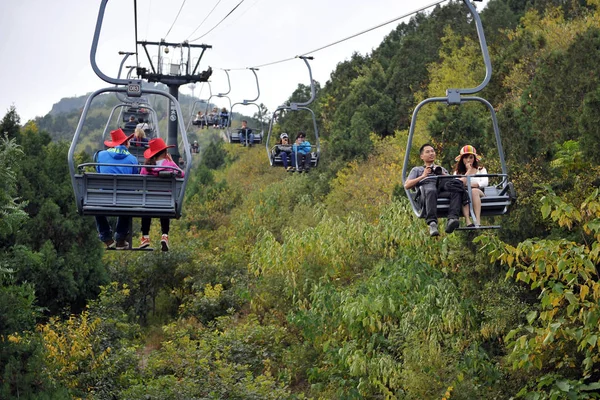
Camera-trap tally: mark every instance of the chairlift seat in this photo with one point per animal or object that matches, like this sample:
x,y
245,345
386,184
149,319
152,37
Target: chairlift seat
x,y
234,137
276,158
128,195
496,201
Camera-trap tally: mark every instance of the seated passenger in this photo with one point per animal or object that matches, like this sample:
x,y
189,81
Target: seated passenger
x,y
245,134
157,155
116,154
423,177
468,164
139,138
284,150
142,125
195,147
130,125
301,154
199,120
224,118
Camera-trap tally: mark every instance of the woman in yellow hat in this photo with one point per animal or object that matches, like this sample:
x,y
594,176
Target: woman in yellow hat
x,y
467,163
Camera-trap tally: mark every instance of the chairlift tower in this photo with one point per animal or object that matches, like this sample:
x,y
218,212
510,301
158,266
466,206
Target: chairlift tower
x,y
178,74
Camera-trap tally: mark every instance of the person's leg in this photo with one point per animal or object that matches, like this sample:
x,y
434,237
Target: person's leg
x,y
477,195
251,139
145,240
104,231
429,192
164,239
122,230
284,159
466,212
454,211
165,224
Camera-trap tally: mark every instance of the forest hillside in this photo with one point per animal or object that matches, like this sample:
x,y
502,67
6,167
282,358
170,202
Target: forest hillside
x,y
324,285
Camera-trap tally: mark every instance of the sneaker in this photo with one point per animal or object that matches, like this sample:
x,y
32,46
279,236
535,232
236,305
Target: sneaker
x,y
451,225
122,245
145,242
289,169
110,244
433,229
164,242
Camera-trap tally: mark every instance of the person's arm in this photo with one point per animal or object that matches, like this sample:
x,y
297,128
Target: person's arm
x,y
414,178
483,181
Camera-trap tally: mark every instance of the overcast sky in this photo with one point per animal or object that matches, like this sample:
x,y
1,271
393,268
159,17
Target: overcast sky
x,y
45,45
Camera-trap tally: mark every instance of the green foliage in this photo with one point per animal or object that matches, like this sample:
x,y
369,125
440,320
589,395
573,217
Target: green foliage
x,y
11,210
560,336
213,156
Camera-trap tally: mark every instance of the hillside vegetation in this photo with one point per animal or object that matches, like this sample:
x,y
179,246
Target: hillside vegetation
x,y
324,285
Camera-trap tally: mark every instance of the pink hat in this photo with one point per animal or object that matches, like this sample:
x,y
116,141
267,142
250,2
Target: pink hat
x,y
118,137
156,146
468,149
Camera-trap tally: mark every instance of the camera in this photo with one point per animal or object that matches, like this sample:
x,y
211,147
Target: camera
x,y
437,170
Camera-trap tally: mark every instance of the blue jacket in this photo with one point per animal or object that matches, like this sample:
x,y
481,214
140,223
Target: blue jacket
x,y
117,155
303,148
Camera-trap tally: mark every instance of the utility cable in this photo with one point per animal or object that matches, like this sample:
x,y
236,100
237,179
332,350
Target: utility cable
x,y
346,38
173,24
219,23
205,18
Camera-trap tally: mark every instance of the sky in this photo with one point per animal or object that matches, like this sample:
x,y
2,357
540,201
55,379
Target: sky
x,y
45,45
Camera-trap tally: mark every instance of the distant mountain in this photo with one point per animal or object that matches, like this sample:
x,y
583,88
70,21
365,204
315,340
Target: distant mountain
x,y
68,104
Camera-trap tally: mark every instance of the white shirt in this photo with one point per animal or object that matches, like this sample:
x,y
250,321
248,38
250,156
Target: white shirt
x,y
482,181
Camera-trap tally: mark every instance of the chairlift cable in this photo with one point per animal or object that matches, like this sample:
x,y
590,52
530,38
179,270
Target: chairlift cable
x,y
205,18
175,20
373,28
347,38
221,21
148,19
135,24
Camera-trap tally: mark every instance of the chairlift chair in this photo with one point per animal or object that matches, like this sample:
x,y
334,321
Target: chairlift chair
x,y
219,95
234,135
498,197
274,157
128,195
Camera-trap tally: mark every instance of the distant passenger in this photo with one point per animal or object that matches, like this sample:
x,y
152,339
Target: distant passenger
x,y
199,120
143,125
139,138
116,154
195,146
245,134
157,155
224,118
283,149
130,126
301,156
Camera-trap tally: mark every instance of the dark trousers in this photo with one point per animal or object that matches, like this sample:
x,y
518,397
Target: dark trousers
x,y
105,231
447,189
164,225
301,161
285,158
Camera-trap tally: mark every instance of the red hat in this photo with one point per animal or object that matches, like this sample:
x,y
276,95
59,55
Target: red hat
x,y
118,138
156,146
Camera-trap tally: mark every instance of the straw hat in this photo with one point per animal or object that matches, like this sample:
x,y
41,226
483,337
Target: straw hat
x,y
156,146
118,137
468,149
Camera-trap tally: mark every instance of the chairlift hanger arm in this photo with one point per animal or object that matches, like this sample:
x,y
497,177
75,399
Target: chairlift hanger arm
x,y
228,84
94,49
313,91
253,69
484,51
